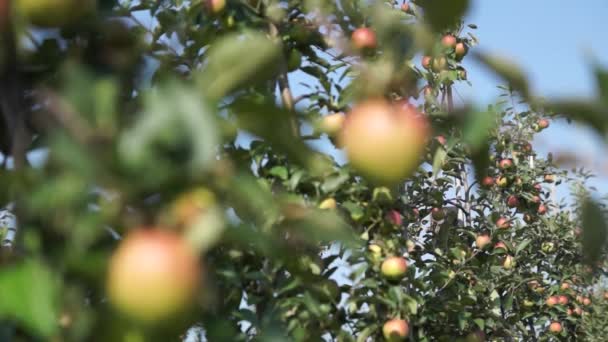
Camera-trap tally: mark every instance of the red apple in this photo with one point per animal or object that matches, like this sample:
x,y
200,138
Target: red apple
x,y
405,7
535,199
153,275
384,141
512,201
543,123
449,41
482,241
460,50
439,64
542,209
500,245
394,268
564,286
578,311
503,223
426,62
395,330
364,38
562,300
555,327
438,214
552,301
394,217
586,301
487,181
441,139
506,164
215,6
549,178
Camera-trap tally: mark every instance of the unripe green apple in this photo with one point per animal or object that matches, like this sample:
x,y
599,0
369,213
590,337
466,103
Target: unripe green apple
x,y
555,327
294,60
477,336
502,181
55,13
328,203
548,247
509,262
395,330
394,268
439,64
153,275
364,38
384,141
528,303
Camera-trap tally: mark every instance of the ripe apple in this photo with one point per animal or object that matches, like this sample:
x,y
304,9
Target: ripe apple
x,y
535,199
439,64
328,203
441,139
578,311
552,301
500,245
215,6
542,209
426,62
438,214
538,187
549,178
562,300
555,327
502,181
364,38
564,286
503,223
606,295
509,262
384,141
487,181
543,123
448,41
505,164
460,50
331,124
55,13
153,275
482,241
394,217
405,7
394,268
512,201
395,330
586,301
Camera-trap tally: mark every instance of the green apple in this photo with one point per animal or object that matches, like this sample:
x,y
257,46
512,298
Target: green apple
x,y
394,268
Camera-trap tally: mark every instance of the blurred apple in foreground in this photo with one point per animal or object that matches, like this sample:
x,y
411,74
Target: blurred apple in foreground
x,y
54,13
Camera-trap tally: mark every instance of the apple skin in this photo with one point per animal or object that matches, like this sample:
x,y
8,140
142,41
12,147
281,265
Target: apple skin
x,y
487,181
439,64
502,181
506,164
508,263
405,7
512,201
552,301
542,209
153,275
460,50
438,214
426,62
482,241
364,38
394,268
578,311
449,41
441,140
586,301
384,141
503,223
394,217
328,203
55,13
555,327
500,245
562,300
549,178
395,330
564,286
543,123
215,6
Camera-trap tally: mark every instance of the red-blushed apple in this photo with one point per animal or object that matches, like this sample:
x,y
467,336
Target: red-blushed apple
x,y
439,64
364,38
437,214
549,178
562,300
542,209
538,187
555,327
482,241
428,91
441,139
552,301
215,6
606,295
426,62
578,311
394,268
564,286
586,301
395,330
448,41
505,164
535,199
460,50
328,203
55,13
503,223
405,7
508,263
331,124
394,217
153,275
384,141
543,123
512,201
487,181
502,181
569,312
527,147
500,245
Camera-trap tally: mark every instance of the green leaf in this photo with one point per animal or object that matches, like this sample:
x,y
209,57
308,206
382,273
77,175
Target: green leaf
x,y
522,246
601,76
590,113
443,14
478,127
507,70
280,172
594,231
438,160
28,294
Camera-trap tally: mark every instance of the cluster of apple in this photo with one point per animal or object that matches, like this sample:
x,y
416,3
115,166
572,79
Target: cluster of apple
x,y
563,301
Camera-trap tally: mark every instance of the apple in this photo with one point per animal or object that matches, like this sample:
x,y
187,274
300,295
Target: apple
x,y
477,336
460,50
449,41
394,268
564,286
55,13
505,164
533,284
411,246
563,300
405,7
555,327
487,181
482,241
528,218
606,295
548,247
294,60
512,201
542,209
543,123
364,38
509,262
535,199
578,311
328,203
503,223
426,62
152,275
439,64
586,301
437,214
538,187
549,178
395,330
215,6
500,245
394,217
502,181
462,73
331,124
384,141
528,303
441,139
427,91
552,301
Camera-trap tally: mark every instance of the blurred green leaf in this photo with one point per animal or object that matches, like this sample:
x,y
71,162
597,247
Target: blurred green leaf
x,y
478,128
594,231
506,69
443,14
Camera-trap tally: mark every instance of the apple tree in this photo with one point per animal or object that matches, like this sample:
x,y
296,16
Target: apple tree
x,y
232,170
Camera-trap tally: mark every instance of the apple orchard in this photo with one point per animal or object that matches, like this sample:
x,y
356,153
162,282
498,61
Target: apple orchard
x,y
175,172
